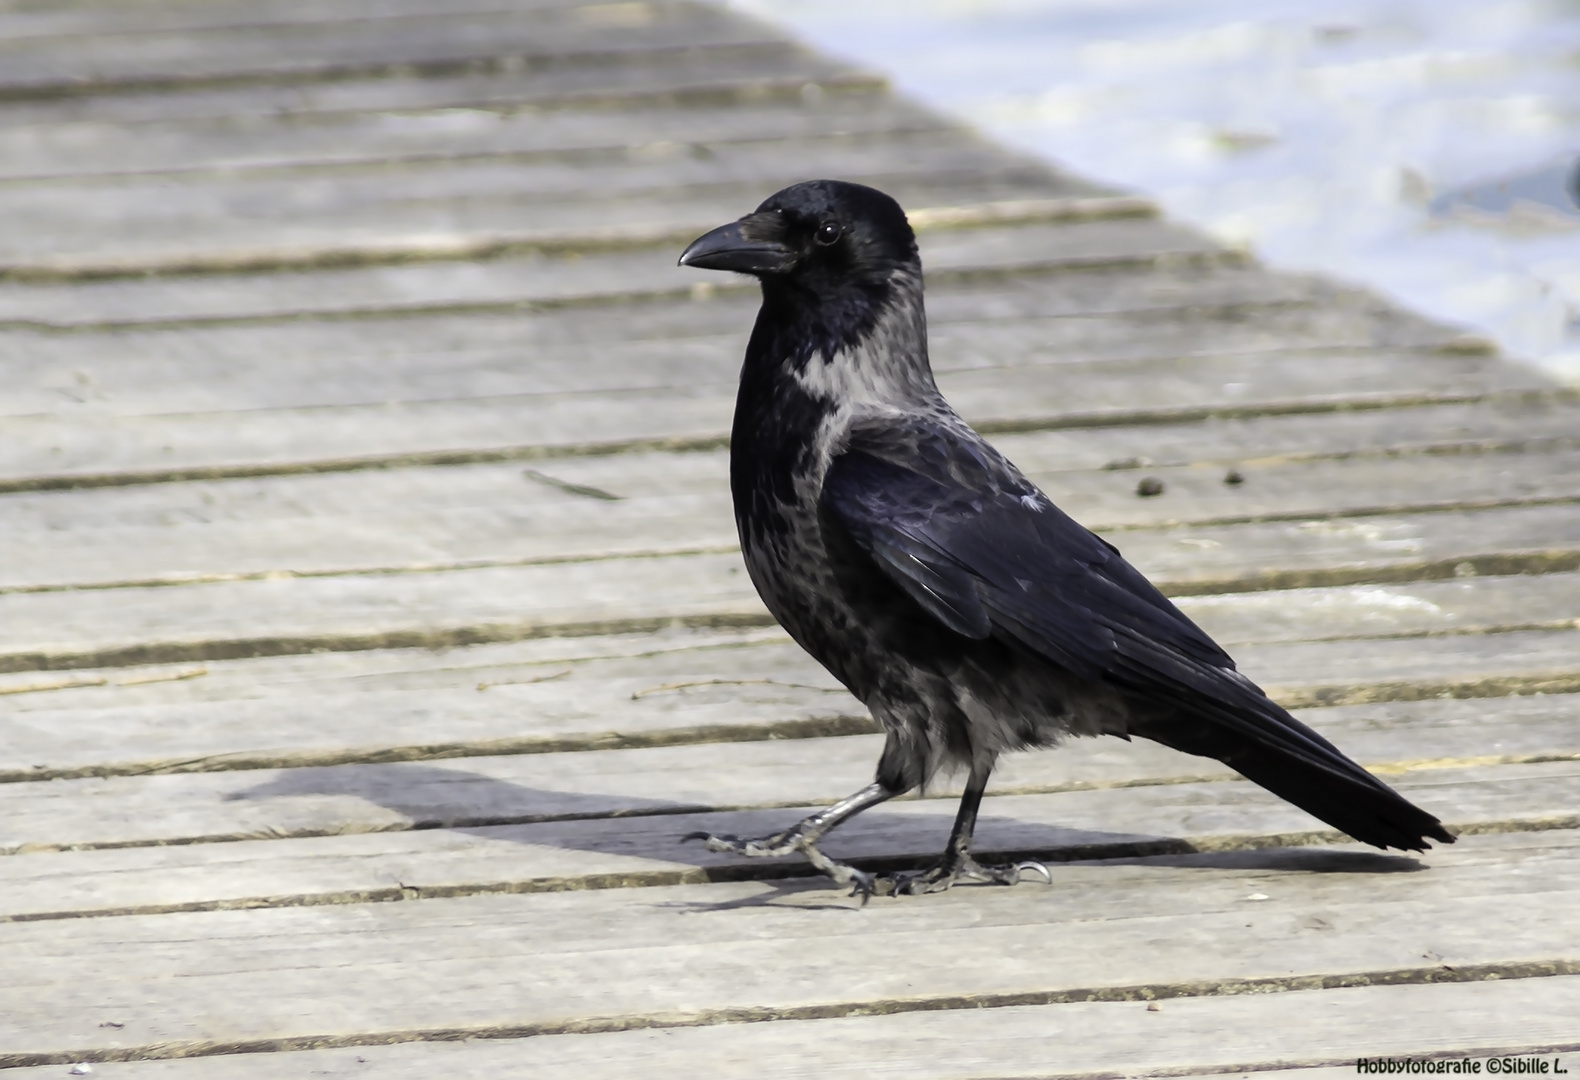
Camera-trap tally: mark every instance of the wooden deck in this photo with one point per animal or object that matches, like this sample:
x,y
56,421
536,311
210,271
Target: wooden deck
x,y
372,627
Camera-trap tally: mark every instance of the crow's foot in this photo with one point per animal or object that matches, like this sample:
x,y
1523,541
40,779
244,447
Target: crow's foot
x,y
953,870
794,839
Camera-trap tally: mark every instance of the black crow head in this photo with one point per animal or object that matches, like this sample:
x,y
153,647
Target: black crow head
x,y
831,256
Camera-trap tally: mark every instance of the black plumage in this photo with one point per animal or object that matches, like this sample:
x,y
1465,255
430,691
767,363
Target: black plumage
x,y
911,559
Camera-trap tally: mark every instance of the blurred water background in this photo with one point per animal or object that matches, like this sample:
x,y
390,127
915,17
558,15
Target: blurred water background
x,y
1427,148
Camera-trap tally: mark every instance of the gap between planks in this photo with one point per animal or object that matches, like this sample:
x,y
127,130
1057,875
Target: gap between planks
x,y
715,34
1236,297
708,594
783,77
1286,1036
847,103
1247,842
711,442
1023,211
674,505
735,776
818,724
1208,822
1140,992
1435,916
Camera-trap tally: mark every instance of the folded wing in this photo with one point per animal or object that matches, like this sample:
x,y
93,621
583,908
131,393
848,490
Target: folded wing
x,y
987,555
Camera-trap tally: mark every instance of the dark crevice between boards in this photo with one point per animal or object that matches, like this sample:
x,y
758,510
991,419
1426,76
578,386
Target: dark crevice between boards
x,y
1495,564
1032,210
832,725
514,63
1454,567
1385,510
1138,992
300,645
816,727
176,652
1391,769
1428,337
779,870
391,571
720,440
921,126
1030,181
771,91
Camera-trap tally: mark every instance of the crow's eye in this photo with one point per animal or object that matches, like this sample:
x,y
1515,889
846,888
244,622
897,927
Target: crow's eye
x,y
827,233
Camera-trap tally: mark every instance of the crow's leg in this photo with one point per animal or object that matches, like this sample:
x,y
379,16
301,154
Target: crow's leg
x,y
804,835
957,865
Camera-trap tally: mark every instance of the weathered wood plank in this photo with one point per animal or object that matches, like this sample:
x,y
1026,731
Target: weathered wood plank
x,y
744,75
429,700
568,694
511,600
433,41
19,19
1194,559
124,811
529,600
246,372
383,187
435,225
1230,1034
401,355
653,503
89,146
509,302
537,964
114,448
649,850
218,234
515,285
1464,606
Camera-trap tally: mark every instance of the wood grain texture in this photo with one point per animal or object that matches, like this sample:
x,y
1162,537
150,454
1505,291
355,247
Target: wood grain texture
x,y
115,449
697,583
143,313
433,518
547,962
342,706
72,17
518,284
528,124
330,231
1394,739
434,41
462,353
648,850
775,70
1263,1034
553,694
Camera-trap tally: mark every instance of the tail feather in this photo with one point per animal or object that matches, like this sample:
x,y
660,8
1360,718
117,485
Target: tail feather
x,y
1286,757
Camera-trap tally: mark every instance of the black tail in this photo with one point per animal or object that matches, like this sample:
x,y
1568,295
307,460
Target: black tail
x,y
1265,744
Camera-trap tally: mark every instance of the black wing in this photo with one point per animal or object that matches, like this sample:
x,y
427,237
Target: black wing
x,y
986,554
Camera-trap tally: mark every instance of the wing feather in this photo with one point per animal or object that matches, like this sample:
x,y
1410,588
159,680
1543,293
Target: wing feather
x,y
986,554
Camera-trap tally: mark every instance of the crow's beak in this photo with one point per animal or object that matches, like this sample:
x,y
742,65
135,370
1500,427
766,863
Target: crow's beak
x,y
751,245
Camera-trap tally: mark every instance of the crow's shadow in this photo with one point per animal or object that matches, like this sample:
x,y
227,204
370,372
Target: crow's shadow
x,y
883,839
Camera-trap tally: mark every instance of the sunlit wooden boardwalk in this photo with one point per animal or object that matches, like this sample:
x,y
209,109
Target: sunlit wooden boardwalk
x,y
372,628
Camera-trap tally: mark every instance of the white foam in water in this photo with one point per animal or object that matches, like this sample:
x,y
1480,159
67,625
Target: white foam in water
x,y
1428,149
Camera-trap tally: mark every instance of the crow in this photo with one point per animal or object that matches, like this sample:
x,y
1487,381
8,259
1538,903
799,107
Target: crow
x,y
937,583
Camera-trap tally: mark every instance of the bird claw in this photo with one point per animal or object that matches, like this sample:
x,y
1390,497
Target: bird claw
x,y
862,884
954,870
1032,864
